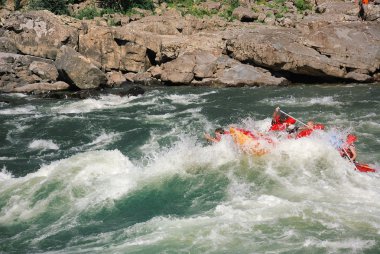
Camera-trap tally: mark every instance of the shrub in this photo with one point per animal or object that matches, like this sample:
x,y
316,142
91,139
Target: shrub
x,y
55,6
88,13
126,5
302,5
232,5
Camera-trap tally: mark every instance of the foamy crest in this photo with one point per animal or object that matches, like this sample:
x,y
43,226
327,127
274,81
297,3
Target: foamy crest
x,y
103,140
41,144
26,110
90,105
83,180
186,99
303,101
5,175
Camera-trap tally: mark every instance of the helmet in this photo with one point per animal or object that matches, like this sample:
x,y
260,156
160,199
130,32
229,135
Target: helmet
x,y
351,138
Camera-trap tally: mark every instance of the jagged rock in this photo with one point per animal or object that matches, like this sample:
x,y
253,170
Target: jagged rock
x,y
19,70
203,68
328,51
78,70
39,33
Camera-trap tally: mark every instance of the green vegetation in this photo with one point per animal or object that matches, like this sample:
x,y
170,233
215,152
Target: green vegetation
x,y
55,6
2,2
227,13
126,5
188,7
302,5
88,13
192,7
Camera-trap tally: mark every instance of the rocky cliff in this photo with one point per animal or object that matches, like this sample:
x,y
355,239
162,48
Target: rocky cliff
x,y
40,51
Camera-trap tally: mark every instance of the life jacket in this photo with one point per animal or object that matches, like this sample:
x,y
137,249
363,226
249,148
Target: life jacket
x,y
279,124
304,133
307,132
277,127
247,132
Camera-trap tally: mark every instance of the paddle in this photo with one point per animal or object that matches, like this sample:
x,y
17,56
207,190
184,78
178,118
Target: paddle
x,y
294,118
344,150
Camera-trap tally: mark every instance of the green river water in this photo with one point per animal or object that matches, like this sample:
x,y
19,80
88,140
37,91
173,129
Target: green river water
x,y
135,175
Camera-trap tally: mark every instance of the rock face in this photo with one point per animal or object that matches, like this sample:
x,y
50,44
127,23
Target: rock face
x,y
202,68
18,71
329,44
39,33
329,51
78,70
113,48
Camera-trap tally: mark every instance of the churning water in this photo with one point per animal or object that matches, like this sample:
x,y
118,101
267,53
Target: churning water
x,y
135,175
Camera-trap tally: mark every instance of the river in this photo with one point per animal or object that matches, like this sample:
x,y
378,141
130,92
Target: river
x,y
135,174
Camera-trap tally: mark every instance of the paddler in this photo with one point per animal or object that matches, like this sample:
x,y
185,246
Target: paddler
x,y
281,122
219,132
348,148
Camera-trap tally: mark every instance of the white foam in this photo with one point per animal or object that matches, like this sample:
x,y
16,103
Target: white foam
x,y
85,179
90,105
186,99
42,144
26,110
103,140
5,175
302,101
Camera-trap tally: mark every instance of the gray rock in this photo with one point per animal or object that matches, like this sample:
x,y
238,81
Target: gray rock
x,y
46,71
39,33
78,70
325,51
247,75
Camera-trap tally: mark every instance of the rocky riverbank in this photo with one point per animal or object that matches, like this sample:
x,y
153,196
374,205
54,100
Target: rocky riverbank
x,y
41,52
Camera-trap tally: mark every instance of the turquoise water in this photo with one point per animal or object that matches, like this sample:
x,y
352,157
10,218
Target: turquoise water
x,y
135,175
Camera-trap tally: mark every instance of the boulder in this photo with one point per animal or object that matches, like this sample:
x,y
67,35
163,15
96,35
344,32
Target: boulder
x,y
78,70
328,51
19,70
39,33
180,70
247,75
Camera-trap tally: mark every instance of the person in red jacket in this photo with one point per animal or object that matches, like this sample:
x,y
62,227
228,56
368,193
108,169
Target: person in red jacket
x,y
309,128
348,148
282,122
219,132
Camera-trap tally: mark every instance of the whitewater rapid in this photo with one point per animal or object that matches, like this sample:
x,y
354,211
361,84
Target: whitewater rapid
x,y
135,175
